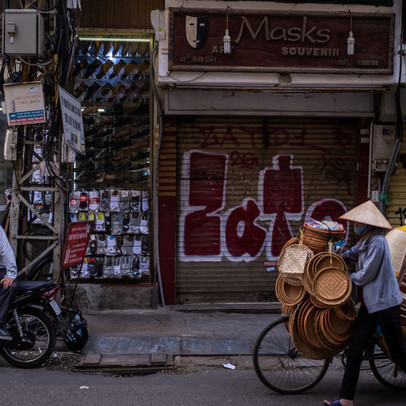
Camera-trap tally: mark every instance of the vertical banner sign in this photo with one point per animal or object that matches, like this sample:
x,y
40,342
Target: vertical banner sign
x,y
76,243
72,121
24,103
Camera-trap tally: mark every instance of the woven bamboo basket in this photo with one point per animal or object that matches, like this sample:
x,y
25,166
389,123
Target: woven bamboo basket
x,y
292,262
397,242
317,239
292,241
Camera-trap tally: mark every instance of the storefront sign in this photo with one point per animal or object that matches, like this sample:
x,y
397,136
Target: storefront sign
x,y
24,103
278,42
74,134
76,243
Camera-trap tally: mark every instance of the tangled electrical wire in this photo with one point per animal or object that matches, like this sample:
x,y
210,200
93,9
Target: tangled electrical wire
x,y
53,69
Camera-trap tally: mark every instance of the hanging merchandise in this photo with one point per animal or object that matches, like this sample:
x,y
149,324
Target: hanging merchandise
x,y
83,201
114,201
119,246
135,200
104,200
94,201
100,223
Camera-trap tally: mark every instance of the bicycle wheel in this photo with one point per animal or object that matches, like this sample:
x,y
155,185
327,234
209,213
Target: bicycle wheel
x,y
384,369
280,366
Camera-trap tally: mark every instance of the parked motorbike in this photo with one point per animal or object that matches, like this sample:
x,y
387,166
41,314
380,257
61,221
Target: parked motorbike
x,y
33,333
68,322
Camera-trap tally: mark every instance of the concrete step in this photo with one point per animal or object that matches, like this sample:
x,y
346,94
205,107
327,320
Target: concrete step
x,y
126,363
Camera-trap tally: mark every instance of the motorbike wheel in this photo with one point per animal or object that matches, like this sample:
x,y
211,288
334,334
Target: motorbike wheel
x,y
39,327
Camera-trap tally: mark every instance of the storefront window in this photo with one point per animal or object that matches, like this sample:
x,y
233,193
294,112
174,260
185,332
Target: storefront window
x,y
111,78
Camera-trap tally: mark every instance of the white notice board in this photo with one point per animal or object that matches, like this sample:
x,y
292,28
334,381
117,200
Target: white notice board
x,y
72,121
24,103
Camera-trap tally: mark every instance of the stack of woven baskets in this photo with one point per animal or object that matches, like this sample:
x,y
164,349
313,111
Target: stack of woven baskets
x,y
317,239
397,245
315,289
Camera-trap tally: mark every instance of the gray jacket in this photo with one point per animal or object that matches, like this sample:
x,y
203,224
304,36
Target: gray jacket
x,y
8,265
374,272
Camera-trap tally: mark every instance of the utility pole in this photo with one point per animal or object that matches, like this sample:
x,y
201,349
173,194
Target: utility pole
x,y
41,177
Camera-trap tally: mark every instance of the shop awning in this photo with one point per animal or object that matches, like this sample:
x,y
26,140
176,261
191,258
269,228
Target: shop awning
x,y
377,3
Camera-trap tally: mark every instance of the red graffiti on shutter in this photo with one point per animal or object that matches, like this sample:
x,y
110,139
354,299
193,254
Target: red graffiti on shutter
x,y
242,234
327,208
282,193
206,192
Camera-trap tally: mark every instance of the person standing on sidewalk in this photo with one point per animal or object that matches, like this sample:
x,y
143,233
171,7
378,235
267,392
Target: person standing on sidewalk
x,y
379,294
8,284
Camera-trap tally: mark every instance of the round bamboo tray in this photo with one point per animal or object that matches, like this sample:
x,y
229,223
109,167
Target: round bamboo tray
x,y
288,294
332,286
329,259
306,282
310,335
309,351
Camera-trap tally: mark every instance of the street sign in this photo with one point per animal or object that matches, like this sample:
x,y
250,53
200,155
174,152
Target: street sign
x,y
76,243
72,120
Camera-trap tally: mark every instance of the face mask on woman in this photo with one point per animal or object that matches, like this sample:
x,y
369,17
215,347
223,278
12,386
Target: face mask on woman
x,y
361,229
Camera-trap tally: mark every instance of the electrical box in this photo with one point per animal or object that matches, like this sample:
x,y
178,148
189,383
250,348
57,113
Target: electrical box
x,y
23,33
10,145
383,140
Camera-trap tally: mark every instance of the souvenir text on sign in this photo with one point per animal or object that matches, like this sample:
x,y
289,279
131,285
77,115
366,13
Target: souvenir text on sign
x,y
278,42
76,243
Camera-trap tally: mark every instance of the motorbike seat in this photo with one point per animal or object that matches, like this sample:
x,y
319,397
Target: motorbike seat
x,y
24,286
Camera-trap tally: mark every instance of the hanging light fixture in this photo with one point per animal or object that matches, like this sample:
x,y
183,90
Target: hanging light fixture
x,y
227,38
350,40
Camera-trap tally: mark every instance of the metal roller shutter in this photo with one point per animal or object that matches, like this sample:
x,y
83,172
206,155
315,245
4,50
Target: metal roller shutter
x,y
245,186
396,211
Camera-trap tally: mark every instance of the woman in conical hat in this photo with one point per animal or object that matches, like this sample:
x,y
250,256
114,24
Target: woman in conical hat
x,y
380,295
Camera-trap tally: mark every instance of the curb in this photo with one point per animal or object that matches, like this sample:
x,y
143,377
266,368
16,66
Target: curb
x,y
183,346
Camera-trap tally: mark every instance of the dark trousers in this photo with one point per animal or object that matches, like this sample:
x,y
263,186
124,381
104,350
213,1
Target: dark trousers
x,y
365,326
6,300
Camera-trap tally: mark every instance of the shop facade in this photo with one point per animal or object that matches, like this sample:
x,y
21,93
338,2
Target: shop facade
x,y
257,141
112,178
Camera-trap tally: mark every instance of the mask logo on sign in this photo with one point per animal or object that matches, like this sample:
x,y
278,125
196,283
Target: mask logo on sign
x,y
196,31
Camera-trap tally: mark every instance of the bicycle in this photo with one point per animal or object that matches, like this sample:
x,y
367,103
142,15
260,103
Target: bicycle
x,y
282,368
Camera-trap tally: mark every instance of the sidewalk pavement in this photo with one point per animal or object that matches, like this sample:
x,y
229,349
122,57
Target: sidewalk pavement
x,y
183,330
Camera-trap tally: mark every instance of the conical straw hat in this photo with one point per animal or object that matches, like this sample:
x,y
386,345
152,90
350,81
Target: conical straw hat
x,y
367,213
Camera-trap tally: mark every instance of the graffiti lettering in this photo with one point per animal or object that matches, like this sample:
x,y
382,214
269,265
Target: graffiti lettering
x,y
281,198
210,138
336,168
206,233
229,137
203,199
247,160
242,235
